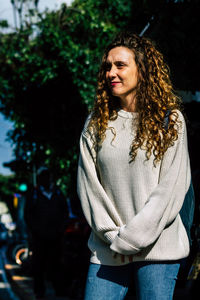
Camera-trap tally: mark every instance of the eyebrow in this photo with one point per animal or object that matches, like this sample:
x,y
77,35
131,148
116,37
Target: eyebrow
x,y
117,62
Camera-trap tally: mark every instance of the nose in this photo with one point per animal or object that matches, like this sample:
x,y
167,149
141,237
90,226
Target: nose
x,y
111,73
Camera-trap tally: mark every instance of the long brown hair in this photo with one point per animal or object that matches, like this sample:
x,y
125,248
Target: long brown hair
x,y
154,95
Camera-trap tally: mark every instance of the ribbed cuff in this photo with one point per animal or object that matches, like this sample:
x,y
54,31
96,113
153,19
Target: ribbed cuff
x,y
122,247
111,235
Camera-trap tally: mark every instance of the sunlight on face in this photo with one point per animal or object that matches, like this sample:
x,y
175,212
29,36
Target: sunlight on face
x,y
122,73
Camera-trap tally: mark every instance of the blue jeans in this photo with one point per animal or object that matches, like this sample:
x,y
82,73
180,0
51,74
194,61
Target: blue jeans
x,y
153,281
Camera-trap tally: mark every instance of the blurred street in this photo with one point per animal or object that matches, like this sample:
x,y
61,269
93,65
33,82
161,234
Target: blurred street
x,y
6,292
16,264
16,285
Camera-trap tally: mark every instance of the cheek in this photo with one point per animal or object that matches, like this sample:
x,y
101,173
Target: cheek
x,y
107,76
135,76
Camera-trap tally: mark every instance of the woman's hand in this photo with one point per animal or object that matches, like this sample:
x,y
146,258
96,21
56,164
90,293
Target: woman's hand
x,y
130,257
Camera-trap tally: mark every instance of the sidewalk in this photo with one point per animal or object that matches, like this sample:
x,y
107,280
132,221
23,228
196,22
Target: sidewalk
x,y
22,285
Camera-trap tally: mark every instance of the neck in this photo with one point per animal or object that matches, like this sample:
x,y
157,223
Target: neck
x,y
128,103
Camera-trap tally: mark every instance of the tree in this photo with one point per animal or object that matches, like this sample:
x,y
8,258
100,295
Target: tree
x,y
8,186
48,80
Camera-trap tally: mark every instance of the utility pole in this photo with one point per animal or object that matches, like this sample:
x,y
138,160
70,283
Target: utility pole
x,y
146,27
19,9
14,12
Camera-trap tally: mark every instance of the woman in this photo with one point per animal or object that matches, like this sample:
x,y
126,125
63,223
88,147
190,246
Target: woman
x,y
133,175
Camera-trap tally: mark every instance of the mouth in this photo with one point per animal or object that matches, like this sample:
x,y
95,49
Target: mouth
x,y
114,83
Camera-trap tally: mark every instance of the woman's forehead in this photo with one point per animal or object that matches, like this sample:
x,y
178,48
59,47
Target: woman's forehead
x,y
120,54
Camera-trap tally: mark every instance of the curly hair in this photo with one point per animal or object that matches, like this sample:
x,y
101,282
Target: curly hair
x,y
154,98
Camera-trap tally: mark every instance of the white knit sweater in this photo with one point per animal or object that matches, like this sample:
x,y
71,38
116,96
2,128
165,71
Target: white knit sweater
x,y
133,208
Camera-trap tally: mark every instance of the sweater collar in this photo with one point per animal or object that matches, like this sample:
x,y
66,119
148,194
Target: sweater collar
x,y
127,114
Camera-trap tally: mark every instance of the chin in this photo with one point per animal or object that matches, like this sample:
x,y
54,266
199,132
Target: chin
x,y
116,94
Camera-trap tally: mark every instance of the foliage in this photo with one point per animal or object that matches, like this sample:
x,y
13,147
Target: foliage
x,y
47,81
4,24
8,186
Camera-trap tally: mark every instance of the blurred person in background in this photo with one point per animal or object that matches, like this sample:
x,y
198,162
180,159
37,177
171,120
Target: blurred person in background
x,y
133,175
46,214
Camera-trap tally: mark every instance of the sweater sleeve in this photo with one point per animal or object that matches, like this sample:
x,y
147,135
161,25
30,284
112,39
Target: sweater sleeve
x,y
98,209
164,203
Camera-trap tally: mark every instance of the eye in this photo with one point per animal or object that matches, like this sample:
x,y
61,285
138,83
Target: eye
x,y
120,65
107,66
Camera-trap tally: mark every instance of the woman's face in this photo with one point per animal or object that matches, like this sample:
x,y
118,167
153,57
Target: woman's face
x,y
122,72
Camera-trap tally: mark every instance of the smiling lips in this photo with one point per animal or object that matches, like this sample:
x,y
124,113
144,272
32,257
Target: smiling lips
x,y
114,83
